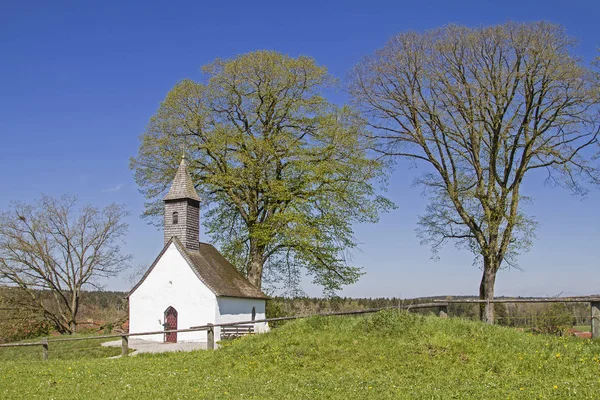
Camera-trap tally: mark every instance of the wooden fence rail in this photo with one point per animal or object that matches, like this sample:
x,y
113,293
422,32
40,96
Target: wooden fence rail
x,y
210,328
441,305
594,305
528,300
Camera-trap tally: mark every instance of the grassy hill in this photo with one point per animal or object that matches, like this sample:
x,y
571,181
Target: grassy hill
x,y
388,355
72,350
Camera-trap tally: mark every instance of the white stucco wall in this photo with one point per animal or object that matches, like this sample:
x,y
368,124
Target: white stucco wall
x,y
172,283
233,309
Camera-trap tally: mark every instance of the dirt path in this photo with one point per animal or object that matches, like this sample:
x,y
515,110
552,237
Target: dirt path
x,y
146,346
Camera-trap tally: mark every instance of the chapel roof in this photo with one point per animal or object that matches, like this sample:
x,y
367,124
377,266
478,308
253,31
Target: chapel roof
x,y
182,186
218,274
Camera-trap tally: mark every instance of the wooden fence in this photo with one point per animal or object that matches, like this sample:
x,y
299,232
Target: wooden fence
x,y
593,301
441,305
210,328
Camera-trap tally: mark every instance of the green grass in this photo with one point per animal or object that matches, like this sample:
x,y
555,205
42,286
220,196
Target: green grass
x,y
75,350
583,328
388,355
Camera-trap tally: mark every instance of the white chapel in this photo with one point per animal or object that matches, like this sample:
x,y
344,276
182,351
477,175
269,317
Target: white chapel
x,y
190,283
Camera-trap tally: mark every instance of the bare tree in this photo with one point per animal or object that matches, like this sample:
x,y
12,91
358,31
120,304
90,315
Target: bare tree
x,y
51,247
482,109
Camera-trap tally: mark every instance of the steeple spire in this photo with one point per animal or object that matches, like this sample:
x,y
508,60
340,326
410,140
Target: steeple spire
x,y
182,186
182,210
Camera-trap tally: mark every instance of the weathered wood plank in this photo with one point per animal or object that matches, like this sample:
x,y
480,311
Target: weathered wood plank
x,y
443,311
210,342
21,344
541,300
124,346
595,319
228,332
44,349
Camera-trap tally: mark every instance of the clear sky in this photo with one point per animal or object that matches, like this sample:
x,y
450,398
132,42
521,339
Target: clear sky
x,y
79,81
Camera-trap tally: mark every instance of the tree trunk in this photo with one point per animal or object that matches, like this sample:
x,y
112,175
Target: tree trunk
x,y
486,290
73,327
74,310
255,265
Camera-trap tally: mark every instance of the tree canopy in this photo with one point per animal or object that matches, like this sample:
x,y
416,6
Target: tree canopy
x,y
482,108
282,173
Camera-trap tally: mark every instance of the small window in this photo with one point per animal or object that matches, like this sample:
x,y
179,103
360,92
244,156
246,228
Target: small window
x,y
253,313
175,218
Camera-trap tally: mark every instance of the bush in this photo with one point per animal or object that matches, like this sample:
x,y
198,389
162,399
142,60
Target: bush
x,y
554,319
393,322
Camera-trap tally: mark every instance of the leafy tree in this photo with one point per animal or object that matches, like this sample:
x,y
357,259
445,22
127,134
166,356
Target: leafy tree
x,y
50,251
282,173
482,109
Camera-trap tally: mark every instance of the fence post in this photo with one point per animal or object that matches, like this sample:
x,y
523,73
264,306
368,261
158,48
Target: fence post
x,y
595,319
44,349
124,346
210,345
444,311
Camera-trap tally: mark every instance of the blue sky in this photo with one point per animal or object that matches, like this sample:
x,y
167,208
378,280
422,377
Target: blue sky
x,y
79,81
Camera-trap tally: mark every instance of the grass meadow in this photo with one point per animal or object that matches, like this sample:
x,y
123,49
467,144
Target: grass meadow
x,y
388,355
74,350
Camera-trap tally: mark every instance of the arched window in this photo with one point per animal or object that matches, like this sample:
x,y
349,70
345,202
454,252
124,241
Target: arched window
x,y
253,313
175,218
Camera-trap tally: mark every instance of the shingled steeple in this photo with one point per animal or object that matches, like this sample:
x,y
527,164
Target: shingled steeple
x,y
182,186
182,210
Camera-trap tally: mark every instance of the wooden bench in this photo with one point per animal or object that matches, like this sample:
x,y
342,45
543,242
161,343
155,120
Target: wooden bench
x,y
234,331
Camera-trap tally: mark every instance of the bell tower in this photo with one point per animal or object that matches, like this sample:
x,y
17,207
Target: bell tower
x,y
182,210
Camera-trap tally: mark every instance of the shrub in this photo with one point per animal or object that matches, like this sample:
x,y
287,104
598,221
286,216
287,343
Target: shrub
x,y
554,319
392,322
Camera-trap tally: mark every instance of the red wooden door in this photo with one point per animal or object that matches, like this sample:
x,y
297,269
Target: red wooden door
x,y
171,324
